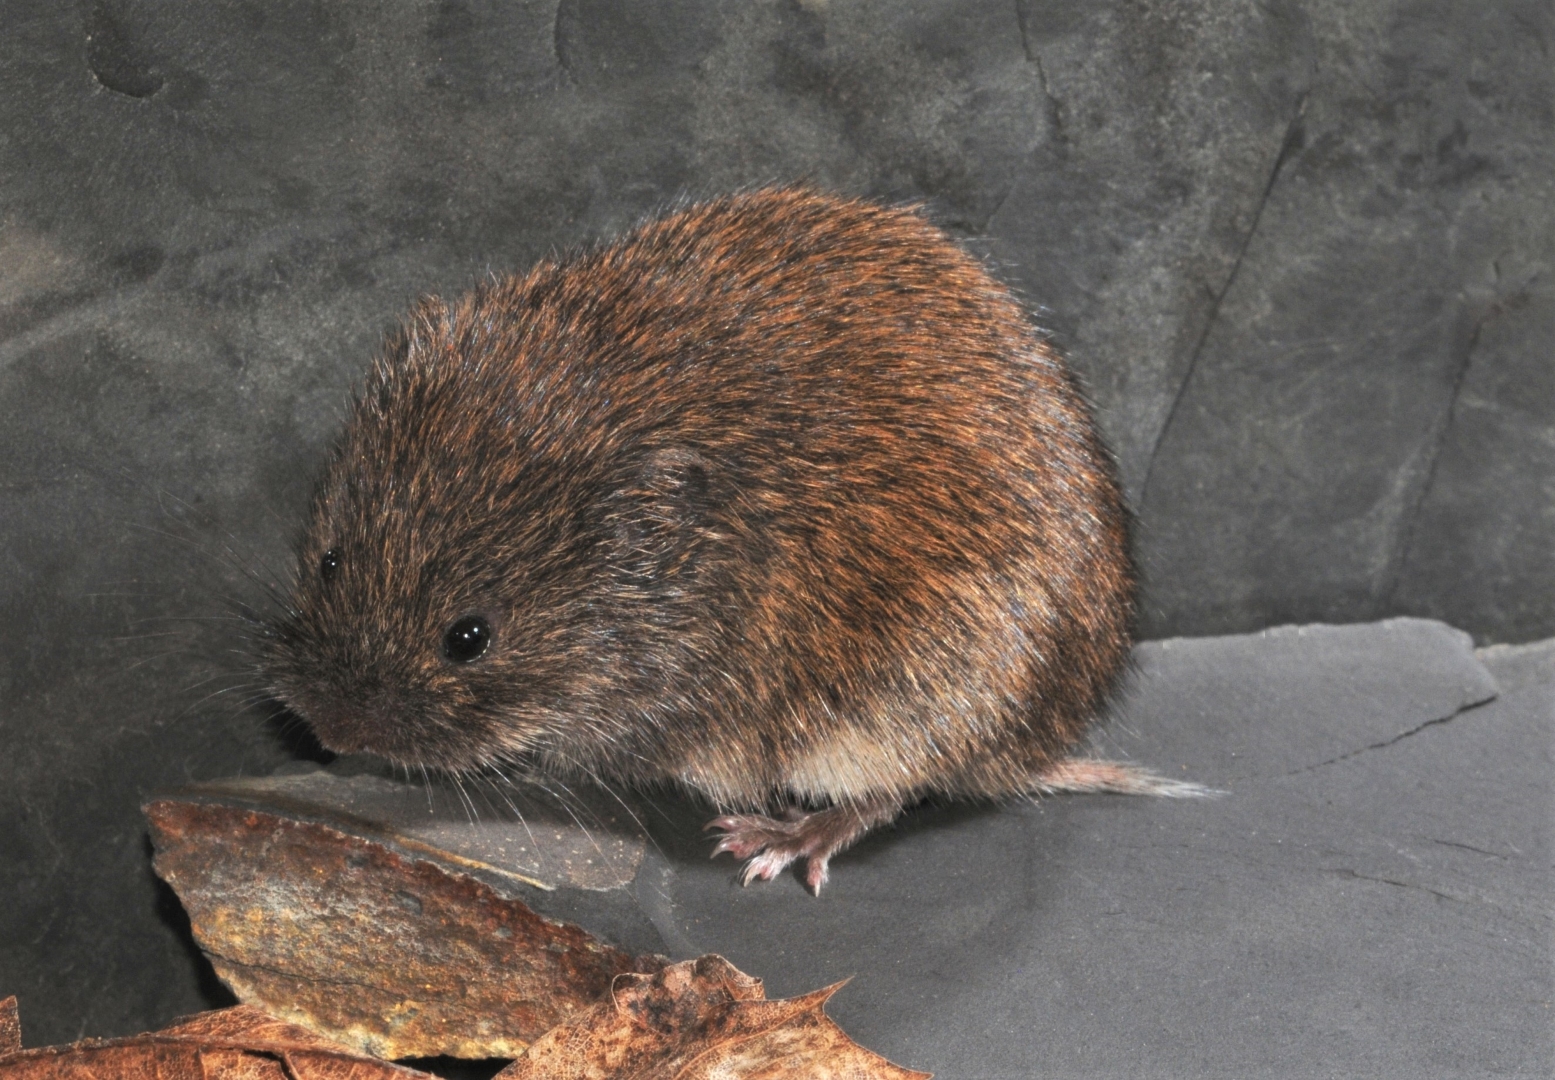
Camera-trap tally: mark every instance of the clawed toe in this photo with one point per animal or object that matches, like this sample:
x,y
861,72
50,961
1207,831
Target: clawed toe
x,y
728,823
747,834
816,870
771,845
768,845
736,838
765,866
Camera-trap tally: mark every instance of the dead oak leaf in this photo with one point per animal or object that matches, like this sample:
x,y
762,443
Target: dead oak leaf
x,y
241,1043
701,1019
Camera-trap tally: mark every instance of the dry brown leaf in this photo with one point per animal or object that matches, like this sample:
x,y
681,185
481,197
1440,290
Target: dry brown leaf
x,y
700,1020
241,1043
10,1027
289,911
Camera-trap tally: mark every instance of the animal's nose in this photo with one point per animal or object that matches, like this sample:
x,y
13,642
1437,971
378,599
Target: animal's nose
x,y
361,723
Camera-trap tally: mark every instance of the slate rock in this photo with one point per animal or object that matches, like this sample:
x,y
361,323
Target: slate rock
x,y
1369,897
1413,211
1128,223
1478,548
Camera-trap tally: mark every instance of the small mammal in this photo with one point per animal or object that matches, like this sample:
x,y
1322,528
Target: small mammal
x,y
778,497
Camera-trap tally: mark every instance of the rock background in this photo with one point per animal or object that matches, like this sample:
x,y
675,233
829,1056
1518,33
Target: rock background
x,y
1300,250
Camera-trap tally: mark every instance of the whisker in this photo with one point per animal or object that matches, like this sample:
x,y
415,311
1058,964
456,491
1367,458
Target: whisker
x,y
584,806
563,804
426,782
274,578
469,805
534,845
602,785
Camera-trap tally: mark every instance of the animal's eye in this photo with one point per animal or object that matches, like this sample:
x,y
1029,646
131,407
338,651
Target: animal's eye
x,y
467,639
329,564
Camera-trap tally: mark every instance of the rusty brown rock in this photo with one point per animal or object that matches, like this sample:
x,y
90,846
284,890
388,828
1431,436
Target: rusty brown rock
x,y
330,916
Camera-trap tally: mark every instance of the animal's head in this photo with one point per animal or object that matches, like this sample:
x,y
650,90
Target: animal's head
x,y
494,563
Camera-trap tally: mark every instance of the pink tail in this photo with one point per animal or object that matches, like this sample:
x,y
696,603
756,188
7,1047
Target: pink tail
x,y
1089,774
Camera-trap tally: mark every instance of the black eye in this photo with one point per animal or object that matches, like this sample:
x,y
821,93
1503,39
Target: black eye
x,y
467,639
329,564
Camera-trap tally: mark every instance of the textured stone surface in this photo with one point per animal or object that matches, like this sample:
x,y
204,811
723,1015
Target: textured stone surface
x,y
1315,465
1167,124
1371,896
1301,250
1481,549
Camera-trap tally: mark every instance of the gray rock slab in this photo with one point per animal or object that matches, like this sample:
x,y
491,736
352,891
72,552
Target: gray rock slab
x,y
1371,896
1327,458
1169,140
1489,503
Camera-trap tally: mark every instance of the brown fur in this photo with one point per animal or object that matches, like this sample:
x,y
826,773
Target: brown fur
x,y
779,496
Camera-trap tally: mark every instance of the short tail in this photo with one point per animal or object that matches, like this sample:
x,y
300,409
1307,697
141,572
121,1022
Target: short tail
x,y
1090,774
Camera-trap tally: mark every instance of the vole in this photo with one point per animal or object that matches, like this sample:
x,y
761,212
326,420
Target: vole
x,y
779,497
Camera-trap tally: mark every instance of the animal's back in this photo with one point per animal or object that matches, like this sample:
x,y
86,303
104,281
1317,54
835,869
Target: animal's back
x,y
925,583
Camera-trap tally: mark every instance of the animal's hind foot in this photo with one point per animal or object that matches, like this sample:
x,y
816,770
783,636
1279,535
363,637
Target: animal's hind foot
x,y
770,845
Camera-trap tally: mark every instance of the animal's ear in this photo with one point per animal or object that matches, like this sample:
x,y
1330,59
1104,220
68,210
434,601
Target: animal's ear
x,y
659,512
677,478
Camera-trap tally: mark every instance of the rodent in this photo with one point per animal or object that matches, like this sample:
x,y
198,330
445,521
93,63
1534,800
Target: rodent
x,y
779,497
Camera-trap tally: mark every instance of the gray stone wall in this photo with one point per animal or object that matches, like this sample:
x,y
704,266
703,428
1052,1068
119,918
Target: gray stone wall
x,y
1300,250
